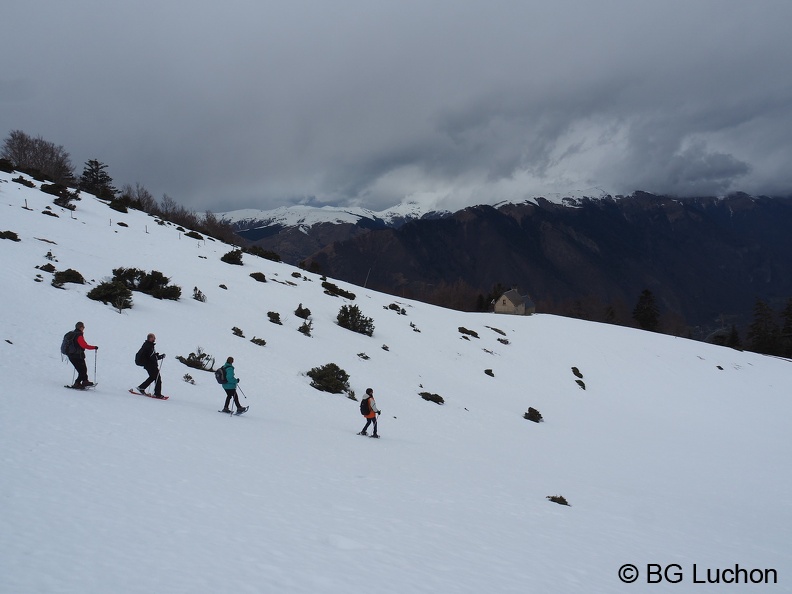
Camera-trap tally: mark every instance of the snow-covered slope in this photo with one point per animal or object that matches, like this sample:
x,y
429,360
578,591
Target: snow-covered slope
x,y
676,452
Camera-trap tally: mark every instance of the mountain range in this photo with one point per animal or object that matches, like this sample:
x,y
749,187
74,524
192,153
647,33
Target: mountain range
x,y
705,259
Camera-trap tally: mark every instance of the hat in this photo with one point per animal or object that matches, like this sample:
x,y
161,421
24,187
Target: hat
x,y
79,325
369,391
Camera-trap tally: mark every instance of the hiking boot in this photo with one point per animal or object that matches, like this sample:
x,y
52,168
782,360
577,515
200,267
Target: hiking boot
x,y
160,396
226,410
87,384
242,410
363,433
77,386
375,436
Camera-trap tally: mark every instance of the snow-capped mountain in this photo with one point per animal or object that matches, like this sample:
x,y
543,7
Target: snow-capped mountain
x,y
294,232
303,216
671,454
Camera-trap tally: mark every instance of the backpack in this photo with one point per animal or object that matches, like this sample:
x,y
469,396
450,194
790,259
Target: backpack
x,y
220,375
364,406
140,359
67,345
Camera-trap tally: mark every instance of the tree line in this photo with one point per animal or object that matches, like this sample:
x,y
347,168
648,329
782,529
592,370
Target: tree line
x,y
46,161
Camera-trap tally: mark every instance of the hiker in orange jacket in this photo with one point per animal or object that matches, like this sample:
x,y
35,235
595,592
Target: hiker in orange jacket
x,y
371,415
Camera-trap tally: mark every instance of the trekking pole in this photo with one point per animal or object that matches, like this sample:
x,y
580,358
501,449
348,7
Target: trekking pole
x,y
96,356
159,371
240,389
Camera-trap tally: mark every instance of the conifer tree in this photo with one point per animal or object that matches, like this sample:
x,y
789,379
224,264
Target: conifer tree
x,y
763,335
733,340
786,330
646,313
97,181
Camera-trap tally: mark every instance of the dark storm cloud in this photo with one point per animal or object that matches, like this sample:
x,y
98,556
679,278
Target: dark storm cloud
x,y
258,104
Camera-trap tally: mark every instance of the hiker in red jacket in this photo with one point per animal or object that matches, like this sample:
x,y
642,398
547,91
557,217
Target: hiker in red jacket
x,y
77,357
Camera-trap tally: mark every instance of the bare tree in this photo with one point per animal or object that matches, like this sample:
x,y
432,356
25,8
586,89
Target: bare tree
x,y
38,156
139,197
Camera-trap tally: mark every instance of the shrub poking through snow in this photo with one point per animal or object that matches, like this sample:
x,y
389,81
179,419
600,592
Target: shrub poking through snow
x,y
262,253
489,372
67,276
428,396
258,341
113,292
194,235
24,182
274,317
577,373
467,332
198,360
237,332
198,295
533,415
335,291
580,383
302,312
188,379
351,318
9,235
398,309
559,499
233,257
152,283
259,276
306,327
329,378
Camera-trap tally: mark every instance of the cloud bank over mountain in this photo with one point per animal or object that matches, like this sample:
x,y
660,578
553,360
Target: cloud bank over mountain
x,y
259,106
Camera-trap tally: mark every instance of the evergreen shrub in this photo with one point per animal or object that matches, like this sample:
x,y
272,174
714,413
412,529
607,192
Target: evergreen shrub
x,y
329,378
351,318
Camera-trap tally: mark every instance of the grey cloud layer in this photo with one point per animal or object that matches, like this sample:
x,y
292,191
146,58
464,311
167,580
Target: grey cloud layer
x,y
256,104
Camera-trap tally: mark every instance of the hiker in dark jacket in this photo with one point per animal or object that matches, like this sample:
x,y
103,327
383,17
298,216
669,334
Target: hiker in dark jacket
x,y
230,387
147,357
77,357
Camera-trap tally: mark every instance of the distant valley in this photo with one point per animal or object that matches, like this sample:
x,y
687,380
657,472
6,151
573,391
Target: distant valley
x,y
706,260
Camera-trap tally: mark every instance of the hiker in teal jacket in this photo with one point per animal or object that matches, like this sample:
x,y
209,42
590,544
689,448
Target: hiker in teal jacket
x,y
230,387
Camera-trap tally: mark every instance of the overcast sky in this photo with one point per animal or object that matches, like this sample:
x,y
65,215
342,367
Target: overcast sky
x,y
258,104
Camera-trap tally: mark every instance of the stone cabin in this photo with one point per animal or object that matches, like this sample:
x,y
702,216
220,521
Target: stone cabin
x,y
511,302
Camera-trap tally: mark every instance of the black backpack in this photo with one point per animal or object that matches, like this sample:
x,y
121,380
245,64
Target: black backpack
x,y
364,406
220,375
67,345
140,358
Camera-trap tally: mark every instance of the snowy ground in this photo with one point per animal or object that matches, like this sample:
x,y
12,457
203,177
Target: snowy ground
x,y
676,453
